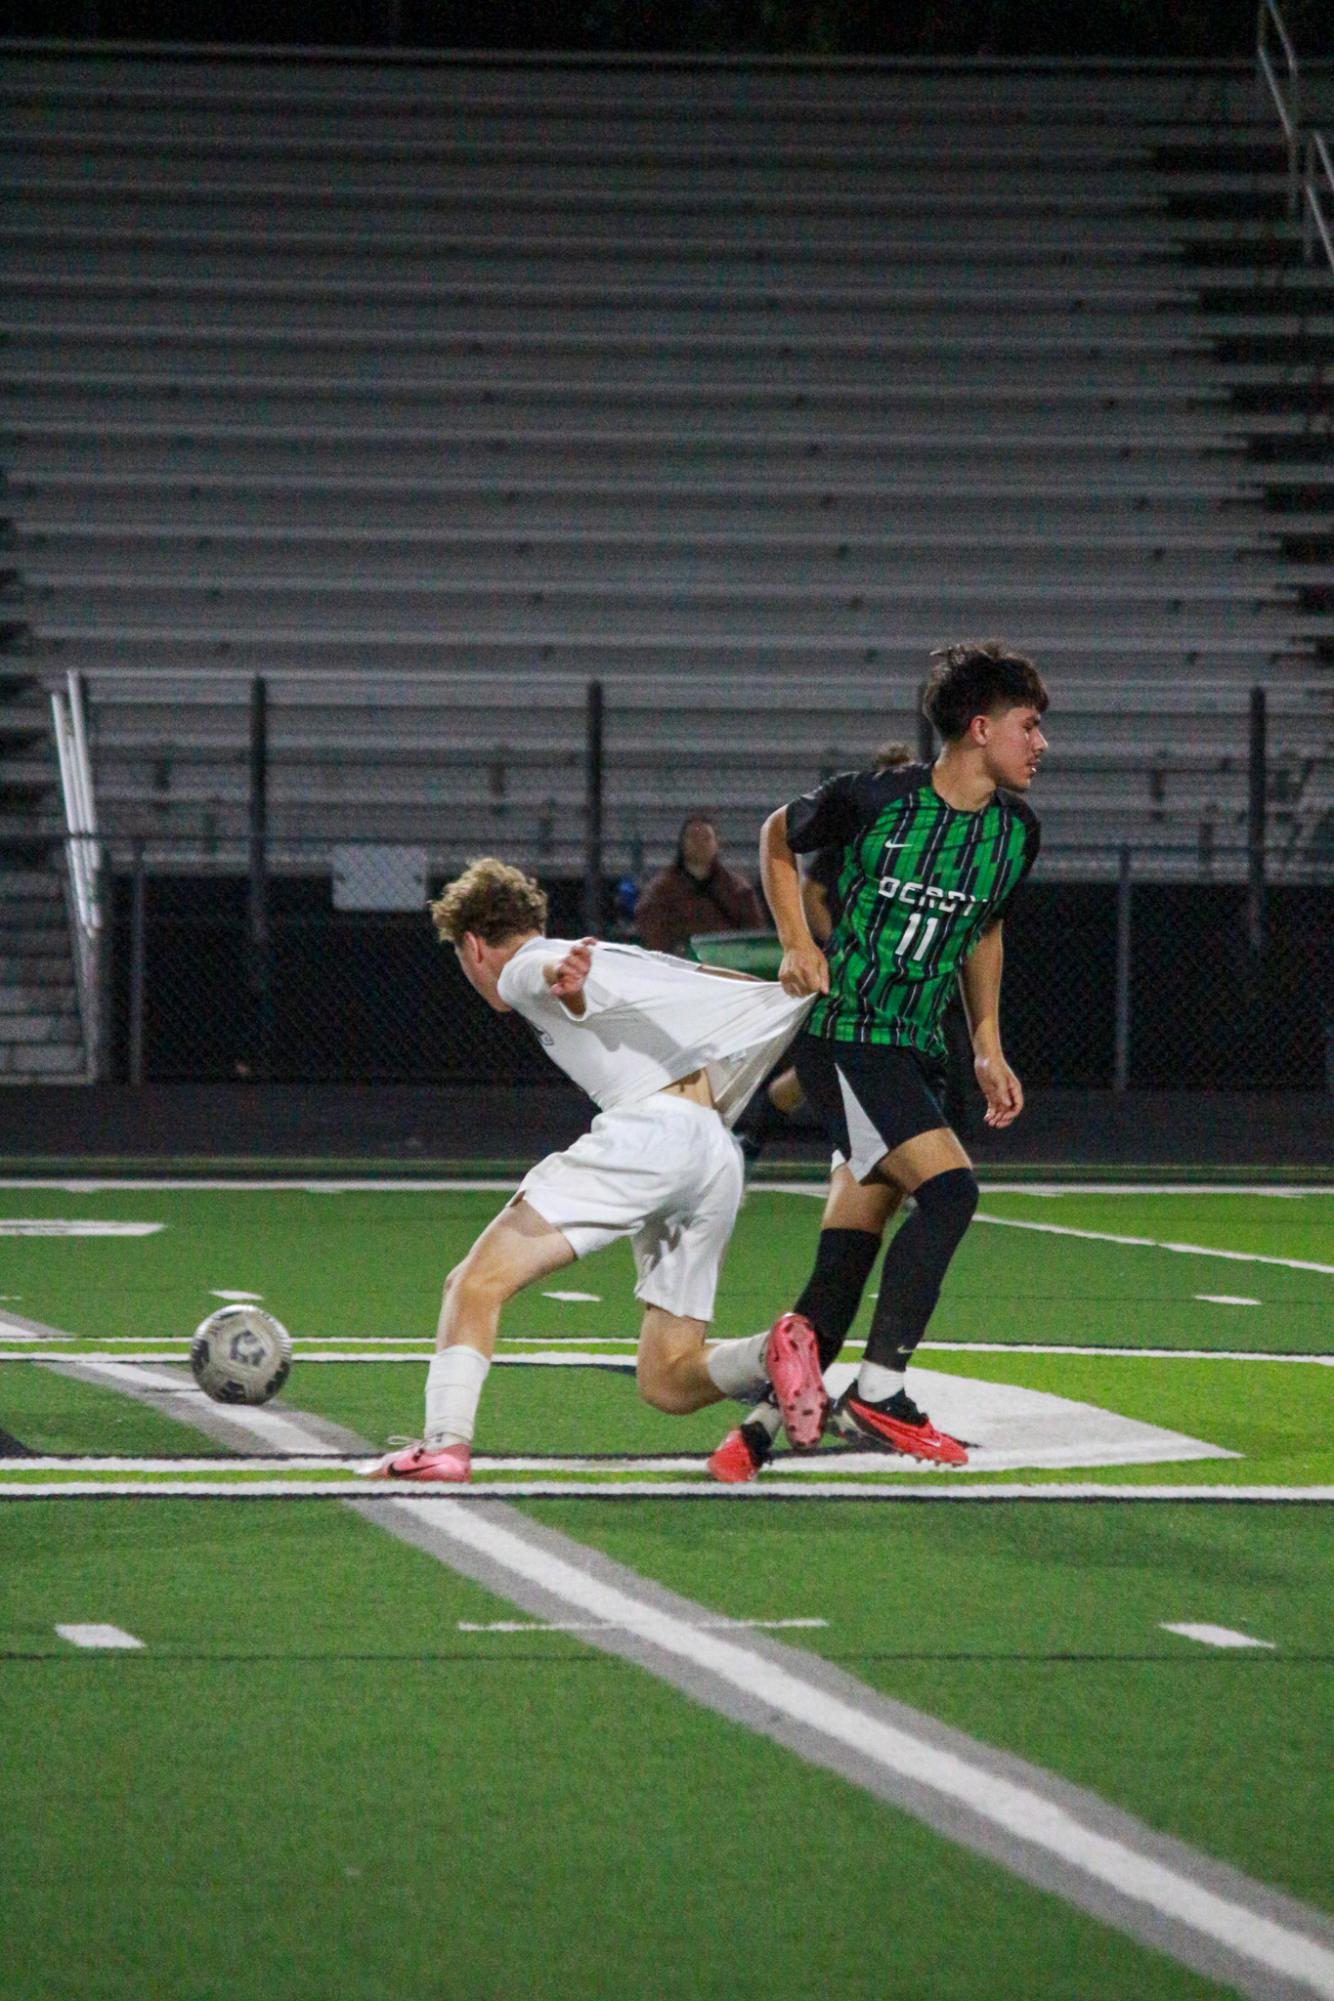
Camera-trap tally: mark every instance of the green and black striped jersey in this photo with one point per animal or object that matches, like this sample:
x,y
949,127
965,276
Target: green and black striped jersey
x,y
919,883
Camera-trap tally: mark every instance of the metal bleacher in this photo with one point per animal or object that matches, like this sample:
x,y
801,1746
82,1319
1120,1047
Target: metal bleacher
x,y
431,389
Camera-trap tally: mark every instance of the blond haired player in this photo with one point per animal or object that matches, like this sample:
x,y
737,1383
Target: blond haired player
x,y
670,1052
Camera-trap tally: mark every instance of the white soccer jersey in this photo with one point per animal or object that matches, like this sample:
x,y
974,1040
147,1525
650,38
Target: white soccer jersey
x,y
649,1019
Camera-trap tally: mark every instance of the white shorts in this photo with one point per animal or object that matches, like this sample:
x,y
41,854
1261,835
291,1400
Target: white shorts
x,y
667,1174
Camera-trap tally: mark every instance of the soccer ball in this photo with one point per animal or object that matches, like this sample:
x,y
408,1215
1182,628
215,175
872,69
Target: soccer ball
x,y
241,1355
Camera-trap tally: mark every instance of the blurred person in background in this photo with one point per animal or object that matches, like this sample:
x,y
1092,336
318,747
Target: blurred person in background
x,y
697,893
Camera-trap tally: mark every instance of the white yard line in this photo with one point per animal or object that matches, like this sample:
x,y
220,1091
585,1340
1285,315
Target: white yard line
x,y
585,1358
838,1467
239,1184
1152,1243
1066,1840
98,1467
500,1184
14,1488
1051,1190
269,1426
73,1226
1216,1636
138,1356
1135,1354
1071,1833
113,1638
598,1626
176,1347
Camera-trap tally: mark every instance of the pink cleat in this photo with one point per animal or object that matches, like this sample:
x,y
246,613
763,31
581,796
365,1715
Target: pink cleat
x,y
792,1364
451,1463
741,1454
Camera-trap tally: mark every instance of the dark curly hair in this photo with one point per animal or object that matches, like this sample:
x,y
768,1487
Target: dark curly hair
x,y
975,678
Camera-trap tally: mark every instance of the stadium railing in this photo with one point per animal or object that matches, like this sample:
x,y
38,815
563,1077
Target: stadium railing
x,y
1126,968
83,870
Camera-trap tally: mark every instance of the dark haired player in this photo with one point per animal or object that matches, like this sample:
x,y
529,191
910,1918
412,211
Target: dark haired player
x,y
931,857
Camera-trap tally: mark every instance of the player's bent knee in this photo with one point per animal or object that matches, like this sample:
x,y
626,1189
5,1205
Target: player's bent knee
x,y
479,1284
668,1378
948,1202
656,1385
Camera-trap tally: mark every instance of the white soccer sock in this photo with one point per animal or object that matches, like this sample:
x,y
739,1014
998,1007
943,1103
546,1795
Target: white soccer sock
x,y
453,1391
875,1383
767,1413
737,1367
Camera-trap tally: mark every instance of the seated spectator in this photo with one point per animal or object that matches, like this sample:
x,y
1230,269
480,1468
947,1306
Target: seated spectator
x,y
697,893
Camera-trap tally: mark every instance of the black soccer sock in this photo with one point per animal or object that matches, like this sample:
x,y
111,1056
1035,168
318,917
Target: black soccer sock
x,y
834,1289
757,1126
915,1265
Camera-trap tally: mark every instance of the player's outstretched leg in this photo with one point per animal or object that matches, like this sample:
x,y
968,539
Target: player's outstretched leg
x,y
516,1248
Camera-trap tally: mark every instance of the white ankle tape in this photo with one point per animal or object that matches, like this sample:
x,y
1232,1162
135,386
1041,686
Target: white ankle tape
x,y
453,1391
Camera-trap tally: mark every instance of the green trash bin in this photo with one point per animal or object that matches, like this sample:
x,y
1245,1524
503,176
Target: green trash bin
x,y
757,952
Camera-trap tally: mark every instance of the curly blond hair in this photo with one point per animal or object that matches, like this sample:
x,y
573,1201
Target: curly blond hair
x,y
490,899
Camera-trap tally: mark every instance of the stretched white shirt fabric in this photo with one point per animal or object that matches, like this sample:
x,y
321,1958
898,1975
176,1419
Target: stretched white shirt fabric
x,y
649,1018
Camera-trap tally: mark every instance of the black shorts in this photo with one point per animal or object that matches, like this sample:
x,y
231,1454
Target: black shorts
x,y
868,1097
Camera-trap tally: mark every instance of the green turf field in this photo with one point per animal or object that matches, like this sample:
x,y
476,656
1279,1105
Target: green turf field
x,y
334,1764
311,1783
358,1262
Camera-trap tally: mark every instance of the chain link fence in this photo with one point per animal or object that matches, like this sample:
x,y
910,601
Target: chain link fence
x,y
1146,984
315,962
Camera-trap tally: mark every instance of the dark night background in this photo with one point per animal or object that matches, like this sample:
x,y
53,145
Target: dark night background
x,y
925,28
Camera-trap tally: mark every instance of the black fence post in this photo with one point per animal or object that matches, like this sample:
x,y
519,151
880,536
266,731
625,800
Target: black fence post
x,y
258,913
104,964
1256,809
1124,962
138,954
593,775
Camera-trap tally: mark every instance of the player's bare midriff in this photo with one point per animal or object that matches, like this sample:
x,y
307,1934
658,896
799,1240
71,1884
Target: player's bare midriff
x,y
694,1087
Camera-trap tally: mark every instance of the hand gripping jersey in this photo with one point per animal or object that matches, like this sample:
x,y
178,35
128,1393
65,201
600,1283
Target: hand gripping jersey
x,y
919,883
649,1019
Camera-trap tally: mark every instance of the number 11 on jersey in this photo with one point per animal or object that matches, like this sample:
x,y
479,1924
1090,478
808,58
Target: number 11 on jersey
x,y
910,946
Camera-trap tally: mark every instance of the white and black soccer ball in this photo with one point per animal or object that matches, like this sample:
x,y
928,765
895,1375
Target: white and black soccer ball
x,y
241,1355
